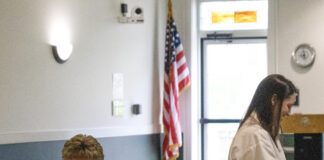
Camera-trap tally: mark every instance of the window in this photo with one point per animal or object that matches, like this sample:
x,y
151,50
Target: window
x,y
232,70
233,15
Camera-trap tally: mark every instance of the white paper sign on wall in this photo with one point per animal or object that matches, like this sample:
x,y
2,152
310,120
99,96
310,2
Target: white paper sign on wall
x,y
118,86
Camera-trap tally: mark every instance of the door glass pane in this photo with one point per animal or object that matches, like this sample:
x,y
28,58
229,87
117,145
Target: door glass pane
x,y
234,15
231,75
219,137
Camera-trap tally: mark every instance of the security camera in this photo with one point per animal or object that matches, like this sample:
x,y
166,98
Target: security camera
x,y
138,13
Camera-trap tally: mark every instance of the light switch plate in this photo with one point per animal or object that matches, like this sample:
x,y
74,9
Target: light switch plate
x,y
118,108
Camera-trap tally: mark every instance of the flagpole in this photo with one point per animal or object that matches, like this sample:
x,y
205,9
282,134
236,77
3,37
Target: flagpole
x,y
170,77
170,9
170,37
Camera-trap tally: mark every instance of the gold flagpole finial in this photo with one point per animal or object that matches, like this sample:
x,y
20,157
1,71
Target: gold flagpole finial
x,y
170,9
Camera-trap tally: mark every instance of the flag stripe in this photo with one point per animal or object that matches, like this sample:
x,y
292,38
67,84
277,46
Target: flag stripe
x,y
179,56
184,83
173,117
183,75
166,88
165,99
179,48
181,62
182,68
165,122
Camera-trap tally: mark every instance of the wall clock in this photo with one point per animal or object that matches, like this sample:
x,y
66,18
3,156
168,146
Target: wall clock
x,y
304,55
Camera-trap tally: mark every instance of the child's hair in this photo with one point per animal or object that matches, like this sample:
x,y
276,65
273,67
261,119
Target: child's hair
x,y
83,147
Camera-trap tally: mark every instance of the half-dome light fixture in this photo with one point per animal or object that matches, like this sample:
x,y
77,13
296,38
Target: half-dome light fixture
x,y
60,39
62,52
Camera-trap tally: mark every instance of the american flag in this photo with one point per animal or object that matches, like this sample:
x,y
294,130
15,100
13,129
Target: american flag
x,y
176,78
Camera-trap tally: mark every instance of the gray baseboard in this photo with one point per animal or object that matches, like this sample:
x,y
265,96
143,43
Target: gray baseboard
x,y
141,147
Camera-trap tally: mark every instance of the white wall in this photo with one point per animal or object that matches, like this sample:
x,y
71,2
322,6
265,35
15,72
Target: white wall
x,y
300,21
43,100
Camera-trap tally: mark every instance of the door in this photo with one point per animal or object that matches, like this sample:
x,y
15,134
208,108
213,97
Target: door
x,y
231,68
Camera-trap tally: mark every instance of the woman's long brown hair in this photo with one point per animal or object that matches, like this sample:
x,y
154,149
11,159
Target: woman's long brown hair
x,y
261,103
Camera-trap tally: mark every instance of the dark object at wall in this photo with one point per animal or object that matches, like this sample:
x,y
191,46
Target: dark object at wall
x,y
309,146
136,109
297,98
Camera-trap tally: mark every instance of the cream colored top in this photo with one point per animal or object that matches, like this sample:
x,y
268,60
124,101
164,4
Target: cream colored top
x,y
252,142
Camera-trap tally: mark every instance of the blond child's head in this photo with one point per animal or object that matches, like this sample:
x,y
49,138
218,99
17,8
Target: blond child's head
x,y
82,147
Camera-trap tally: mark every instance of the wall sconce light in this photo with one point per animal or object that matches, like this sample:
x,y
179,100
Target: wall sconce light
x,y
62,52
60,39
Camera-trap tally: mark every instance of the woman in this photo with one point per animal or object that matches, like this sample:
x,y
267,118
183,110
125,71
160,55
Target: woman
x,y
257,137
